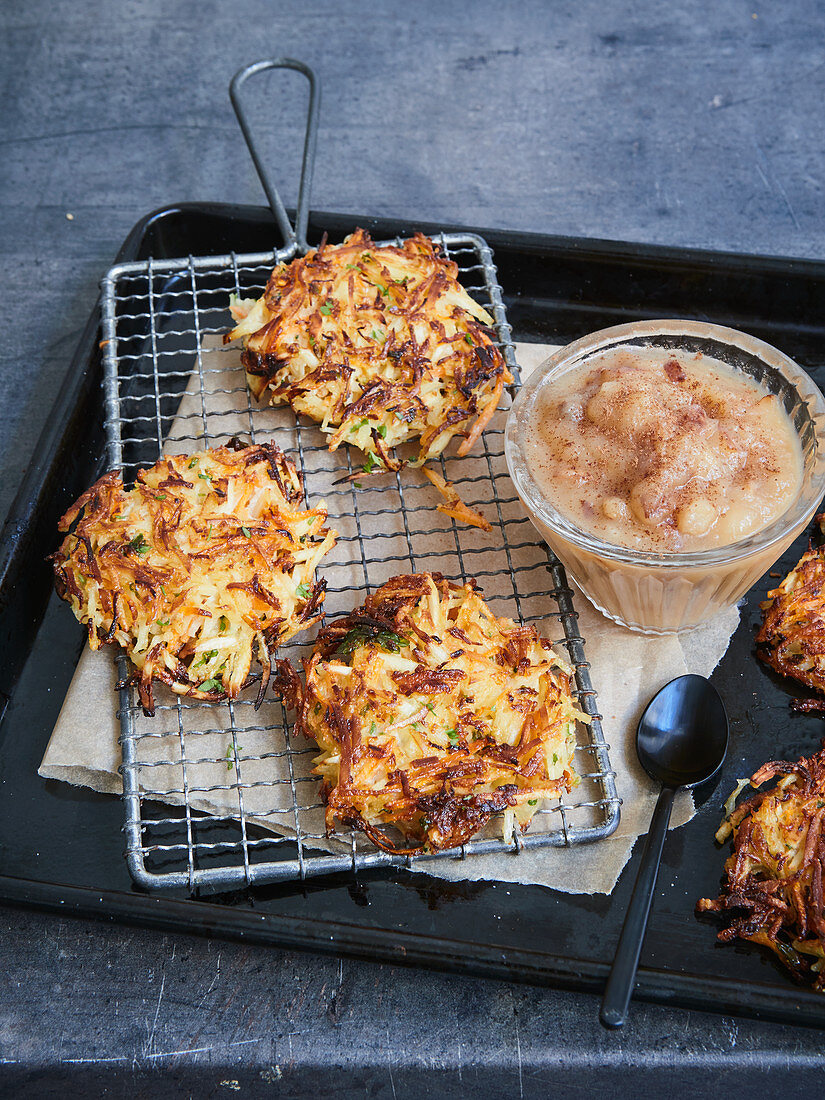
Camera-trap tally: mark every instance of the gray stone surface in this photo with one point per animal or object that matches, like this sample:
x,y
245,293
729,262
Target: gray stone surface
x,y
695,125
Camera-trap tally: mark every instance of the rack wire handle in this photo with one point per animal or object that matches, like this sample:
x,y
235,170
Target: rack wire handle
x,y
294,238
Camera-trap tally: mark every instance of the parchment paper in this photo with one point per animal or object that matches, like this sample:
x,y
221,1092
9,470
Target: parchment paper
x,y
627,669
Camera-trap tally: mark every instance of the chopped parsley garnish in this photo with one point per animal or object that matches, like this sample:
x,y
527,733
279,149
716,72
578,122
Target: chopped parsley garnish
x,y
317,709
211,685
371,463
326,308
532,802
358,485
468,338
352,267
377,334
303,591
204,477
382,430
246,532
312,341
372,729
139,545
162,623
193,462
452,736
223,624
431,708
555,758
160,496
205,657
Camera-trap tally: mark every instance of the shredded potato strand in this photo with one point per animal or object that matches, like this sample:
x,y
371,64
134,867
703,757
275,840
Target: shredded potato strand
x,y
455,506
379,345
207,562
432,714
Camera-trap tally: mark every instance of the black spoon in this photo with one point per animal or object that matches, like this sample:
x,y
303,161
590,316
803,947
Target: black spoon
x,y
681,740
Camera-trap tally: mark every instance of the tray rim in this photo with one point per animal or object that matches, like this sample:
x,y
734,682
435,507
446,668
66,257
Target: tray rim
x,y
513,237
193,916
766,1001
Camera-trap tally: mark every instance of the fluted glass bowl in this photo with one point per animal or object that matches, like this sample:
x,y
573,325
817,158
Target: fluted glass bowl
x,y
661,593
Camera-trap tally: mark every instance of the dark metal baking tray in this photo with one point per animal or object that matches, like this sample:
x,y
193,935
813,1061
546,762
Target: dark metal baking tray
x,y
61,848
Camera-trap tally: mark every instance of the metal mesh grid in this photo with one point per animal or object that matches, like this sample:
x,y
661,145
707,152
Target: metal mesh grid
x,y
223,795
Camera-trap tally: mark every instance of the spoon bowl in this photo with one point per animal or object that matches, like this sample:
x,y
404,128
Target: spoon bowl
x,y
682,737
681,741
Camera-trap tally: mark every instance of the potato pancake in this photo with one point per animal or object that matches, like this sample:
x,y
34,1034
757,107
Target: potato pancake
x,y
774,878
792,637
433,714
207,561
379,345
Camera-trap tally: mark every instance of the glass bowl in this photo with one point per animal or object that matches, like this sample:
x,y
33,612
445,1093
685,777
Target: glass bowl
x,y
661,593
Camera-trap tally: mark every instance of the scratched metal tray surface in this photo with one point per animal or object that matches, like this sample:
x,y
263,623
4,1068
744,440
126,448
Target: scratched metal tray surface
x,y
61,848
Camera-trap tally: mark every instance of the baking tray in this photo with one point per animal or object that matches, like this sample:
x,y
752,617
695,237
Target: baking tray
x,y
61,848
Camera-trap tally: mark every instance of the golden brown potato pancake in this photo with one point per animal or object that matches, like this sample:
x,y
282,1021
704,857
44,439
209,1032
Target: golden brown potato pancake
x,y
207,561
792,637
432,714
379,345
773,889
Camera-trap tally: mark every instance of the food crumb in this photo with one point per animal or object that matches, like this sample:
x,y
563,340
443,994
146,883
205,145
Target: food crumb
x,y
69,217
773,574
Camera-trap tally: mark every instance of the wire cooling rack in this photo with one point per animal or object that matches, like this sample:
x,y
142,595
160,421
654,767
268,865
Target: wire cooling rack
x,y
222,795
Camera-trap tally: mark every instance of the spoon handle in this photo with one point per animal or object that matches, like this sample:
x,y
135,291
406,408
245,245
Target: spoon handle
x,y
620,983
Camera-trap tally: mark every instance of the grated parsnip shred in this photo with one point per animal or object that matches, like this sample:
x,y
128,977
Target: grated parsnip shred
x,y
438,743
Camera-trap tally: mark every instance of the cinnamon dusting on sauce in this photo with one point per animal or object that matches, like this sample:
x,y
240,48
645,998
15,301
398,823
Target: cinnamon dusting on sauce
x,y
663,451
674,371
